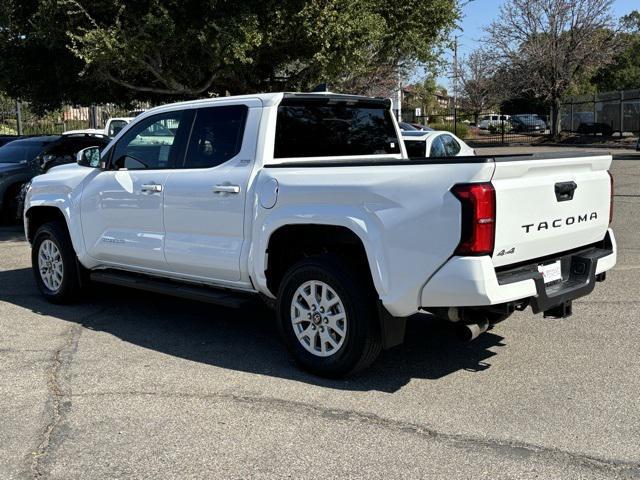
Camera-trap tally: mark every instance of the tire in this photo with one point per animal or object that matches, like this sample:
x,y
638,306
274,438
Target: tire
x,y
355,341
53,245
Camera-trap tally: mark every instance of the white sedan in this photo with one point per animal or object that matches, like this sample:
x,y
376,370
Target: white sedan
x,y
421,144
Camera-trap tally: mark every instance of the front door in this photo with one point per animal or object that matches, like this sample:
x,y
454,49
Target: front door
x,y
204,211
122,206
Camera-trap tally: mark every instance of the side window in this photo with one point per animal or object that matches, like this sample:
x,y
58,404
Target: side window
x,y
216,136
415,148
451,146
437,148
152,144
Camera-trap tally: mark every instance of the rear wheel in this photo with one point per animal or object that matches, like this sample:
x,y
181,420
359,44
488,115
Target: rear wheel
x,y
327,317
54,265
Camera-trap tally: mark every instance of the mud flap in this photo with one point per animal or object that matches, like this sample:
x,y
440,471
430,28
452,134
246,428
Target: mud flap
x,y
391,328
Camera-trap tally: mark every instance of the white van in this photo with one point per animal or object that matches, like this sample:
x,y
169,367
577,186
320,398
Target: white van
x,y
492,119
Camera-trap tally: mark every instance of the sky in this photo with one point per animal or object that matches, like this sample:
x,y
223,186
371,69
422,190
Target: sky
x,y
479,13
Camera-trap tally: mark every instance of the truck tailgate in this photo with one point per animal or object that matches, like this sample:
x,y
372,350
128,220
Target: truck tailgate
x,y
549,204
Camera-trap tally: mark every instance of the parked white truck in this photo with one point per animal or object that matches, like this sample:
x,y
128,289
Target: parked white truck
x,y
111,129
310,202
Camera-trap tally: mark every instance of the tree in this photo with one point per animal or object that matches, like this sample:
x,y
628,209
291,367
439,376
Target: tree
x,y
477,75
193,48
546,44
36,63
422,95
624,71
54,51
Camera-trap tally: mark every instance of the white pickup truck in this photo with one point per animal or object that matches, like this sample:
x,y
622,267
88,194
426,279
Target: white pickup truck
x,y
111,128
310,202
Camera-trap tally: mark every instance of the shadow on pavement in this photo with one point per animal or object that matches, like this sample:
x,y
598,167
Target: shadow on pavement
x,y
11,233
626,156
247,340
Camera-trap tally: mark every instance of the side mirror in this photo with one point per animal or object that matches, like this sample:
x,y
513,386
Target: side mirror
x,y
89,157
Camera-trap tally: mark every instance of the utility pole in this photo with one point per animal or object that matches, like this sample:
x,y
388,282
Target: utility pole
x,y
399,97
455,83
19,116
455,72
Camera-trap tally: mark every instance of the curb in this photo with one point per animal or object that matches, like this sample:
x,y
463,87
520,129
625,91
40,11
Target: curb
x,y
585,145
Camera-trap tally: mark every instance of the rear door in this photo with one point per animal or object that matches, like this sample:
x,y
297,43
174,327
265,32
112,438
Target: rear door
x,y
204,210
549,204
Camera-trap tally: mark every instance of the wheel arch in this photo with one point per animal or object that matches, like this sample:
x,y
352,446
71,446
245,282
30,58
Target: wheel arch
x,y
37,216
291,242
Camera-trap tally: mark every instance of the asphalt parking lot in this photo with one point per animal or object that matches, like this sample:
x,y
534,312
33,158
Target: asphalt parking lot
x,y
134,385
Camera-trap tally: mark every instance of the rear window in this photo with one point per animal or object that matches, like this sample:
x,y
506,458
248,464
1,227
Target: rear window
x,y
330,127
115,126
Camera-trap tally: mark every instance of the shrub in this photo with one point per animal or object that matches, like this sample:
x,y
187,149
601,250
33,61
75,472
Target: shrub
x,y
500,127
461,130
7,130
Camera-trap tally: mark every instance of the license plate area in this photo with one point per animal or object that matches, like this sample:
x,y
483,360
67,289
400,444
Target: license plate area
x,y
551,272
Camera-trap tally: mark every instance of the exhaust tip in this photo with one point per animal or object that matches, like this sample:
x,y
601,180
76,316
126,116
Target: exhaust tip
x,y
471,331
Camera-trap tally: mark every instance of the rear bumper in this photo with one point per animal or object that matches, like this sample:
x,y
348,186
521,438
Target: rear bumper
x,y
474,281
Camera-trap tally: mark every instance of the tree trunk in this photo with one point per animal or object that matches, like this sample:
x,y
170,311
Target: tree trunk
x,y
555,118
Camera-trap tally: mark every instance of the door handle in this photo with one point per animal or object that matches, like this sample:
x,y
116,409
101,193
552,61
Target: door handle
x,y
151,187
226,189
565,191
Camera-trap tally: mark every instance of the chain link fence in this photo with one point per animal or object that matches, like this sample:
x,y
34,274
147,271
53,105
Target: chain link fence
x,y
488,128
606,113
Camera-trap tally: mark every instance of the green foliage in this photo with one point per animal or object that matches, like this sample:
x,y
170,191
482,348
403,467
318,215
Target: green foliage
x,y
35,61
461,130
7,130
54,51
624,72
422,96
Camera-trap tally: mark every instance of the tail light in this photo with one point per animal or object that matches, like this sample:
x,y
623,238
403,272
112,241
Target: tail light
x,y
611,199
478,218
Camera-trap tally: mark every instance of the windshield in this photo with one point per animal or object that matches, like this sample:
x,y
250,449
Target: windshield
x,y
18,153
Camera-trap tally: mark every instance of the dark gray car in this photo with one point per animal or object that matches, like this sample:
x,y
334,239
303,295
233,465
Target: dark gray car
x,y
15,169
23,159
528,122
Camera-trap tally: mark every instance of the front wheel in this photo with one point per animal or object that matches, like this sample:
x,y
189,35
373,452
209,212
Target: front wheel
x,y
327,317
54,265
